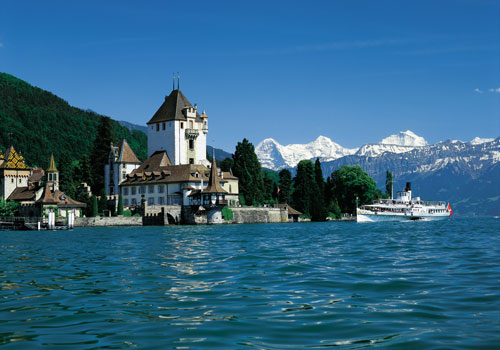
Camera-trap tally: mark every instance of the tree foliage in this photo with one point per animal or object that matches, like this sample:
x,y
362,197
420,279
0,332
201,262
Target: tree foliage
x,y
351,182
39,123
8,208
247,168
305,187
285,186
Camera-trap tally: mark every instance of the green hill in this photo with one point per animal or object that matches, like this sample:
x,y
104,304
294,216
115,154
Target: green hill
x,y
38,123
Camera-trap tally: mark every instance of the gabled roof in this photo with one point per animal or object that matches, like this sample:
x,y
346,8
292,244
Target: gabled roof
x,y
59,198
13,160
214,181
52,165
172,108
126,154
156,162
23,194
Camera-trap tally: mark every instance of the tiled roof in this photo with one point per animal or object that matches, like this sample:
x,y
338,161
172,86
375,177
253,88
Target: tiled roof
x,y
214,181
13,160
22,194
36,175
59,198
126,153
291,211
172,108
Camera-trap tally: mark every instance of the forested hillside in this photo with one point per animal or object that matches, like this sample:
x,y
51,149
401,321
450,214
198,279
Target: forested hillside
x,y
38,123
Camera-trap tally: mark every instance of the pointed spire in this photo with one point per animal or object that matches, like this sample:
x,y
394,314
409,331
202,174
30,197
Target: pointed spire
x,y
173,81
214,185
52,164
178,81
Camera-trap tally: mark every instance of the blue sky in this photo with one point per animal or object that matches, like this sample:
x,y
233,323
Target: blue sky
x,y
355,71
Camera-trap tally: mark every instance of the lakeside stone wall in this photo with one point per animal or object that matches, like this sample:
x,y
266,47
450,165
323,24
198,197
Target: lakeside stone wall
x,y
108,221
249,215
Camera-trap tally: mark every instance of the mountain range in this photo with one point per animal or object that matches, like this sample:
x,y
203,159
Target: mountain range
x,y
464,173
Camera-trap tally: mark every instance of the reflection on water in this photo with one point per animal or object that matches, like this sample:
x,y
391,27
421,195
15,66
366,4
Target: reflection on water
x,y
419,285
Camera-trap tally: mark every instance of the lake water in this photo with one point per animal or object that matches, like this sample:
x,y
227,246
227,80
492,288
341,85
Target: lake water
x,y
413,285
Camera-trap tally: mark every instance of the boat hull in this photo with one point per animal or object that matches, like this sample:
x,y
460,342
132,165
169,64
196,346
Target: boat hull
x,y
381,217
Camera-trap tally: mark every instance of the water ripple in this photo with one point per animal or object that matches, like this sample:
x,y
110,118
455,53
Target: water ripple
x,y
403,285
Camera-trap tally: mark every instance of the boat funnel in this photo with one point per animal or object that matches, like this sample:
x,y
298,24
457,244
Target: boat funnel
x,y
408,187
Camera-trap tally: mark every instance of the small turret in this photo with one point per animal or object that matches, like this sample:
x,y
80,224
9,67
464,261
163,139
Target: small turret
x,y
52,174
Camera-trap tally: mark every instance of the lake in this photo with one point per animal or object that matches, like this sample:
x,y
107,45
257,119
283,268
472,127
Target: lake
x,y
411,285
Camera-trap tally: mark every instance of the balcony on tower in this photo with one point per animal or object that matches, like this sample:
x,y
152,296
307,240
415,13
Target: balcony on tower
x,y
192,134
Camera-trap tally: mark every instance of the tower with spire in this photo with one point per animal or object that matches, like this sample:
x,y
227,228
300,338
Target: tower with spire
x,y
179,129
52,174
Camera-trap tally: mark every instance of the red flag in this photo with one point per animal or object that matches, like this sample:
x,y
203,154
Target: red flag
x,y
448,208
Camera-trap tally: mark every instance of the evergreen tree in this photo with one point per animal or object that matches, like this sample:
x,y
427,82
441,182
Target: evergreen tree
x,y
268,187
247,168
103,203
304,187
388,183
318,207
66,175
227,164
285,186
83,172
100,153
95,208
8,208
120,205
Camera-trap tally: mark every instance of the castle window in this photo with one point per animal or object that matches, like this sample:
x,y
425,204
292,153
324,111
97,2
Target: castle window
x,y
161,188
125,202
151,201
151,189
12,180
190,124
133,190
20,180
191,144
158,127
133,201
125,191
230,189
163,125
191,160
161,200
182,125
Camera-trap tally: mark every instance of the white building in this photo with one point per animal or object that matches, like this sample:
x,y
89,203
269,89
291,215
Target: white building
x,y
178,129
13,172
121,161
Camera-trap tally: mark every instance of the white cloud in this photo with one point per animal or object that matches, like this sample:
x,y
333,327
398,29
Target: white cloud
x,y
494,90
479,91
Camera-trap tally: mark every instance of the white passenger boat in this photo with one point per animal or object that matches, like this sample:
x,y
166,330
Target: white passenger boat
x,y
403,208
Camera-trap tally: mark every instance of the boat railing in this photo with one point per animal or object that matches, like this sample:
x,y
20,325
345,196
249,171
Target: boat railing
x,y
411,202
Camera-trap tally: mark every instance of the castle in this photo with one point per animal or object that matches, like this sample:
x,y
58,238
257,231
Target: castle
x,y
177,172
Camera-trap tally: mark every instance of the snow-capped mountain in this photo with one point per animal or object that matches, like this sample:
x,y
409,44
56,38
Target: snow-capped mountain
x,y
405,138
479,140
274,156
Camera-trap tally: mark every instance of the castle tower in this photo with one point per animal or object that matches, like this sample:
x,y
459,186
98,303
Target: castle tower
x,y
52,175
121,161
179,129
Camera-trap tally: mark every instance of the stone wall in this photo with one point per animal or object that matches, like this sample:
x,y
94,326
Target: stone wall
x,y
259,215
109,221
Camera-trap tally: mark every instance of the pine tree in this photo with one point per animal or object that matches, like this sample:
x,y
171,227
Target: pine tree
x,y
304,185
100,153
248,170
103,202
318,207
120,205
95,209
285,186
